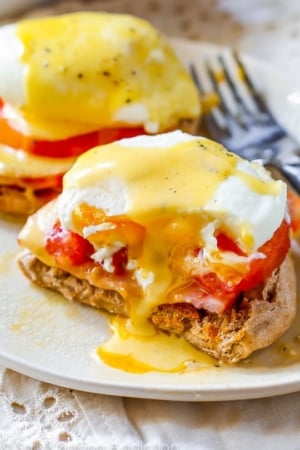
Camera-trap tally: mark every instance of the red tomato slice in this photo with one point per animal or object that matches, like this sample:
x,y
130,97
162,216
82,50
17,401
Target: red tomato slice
x,y
73,253
195,294
226,244
67,247
76,145
70,249
64,148
275,250
216,292
119,261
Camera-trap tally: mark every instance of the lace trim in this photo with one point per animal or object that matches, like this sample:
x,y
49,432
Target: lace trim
x,y
38,416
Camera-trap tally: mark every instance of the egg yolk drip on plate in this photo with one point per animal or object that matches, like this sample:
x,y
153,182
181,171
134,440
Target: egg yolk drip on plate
x,y
165,219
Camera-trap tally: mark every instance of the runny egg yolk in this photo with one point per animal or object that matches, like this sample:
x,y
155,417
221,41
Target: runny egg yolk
x,y
173,186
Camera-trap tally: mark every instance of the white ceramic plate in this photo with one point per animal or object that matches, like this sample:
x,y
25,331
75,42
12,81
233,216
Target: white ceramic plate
x,y
44,336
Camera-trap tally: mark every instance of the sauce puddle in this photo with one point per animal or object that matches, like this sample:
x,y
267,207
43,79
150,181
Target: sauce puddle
x,y
156,351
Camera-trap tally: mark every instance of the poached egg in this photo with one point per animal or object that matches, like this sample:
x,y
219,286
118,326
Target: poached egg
x,y
72,74
71,82
173,174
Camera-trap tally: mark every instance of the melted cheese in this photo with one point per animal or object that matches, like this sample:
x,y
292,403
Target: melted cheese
x,y
172,184
86,71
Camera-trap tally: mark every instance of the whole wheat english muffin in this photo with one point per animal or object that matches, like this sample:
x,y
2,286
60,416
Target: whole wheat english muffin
x,y
256,320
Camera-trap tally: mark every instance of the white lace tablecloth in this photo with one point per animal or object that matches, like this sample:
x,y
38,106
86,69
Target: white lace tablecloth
x,y
36,415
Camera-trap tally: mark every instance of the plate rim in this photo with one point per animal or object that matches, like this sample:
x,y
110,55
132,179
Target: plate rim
x,y
190,392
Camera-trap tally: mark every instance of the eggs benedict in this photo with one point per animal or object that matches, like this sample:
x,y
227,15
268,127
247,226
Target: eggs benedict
x,y
173,233
71,82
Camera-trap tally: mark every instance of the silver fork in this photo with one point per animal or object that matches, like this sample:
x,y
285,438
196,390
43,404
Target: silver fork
x,y
241,120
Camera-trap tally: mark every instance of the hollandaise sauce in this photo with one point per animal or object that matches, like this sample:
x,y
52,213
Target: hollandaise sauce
x,y
182,190
87,71
18,163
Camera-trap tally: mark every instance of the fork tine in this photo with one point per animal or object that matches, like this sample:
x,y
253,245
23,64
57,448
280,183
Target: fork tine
x,y
215,121
217,126
196,78
233,86
216,84
263,138
228,101
243,74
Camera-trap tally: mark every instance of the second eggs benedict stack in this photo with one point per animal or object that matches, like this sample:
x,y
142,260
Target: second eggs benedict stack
x,y
71,82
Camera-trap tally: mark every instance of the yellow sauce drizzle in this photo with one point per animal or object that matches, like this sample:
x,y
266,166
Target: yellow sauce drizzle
x,y
83,68
18,163
156,352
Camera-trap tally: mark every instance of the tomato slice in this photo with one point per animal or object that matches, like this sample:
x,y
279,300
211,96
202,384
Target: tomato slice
x,y
195,294
70,249
226,244
275,250
76,145
119,261
64,148
72,253
67,247
215,290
